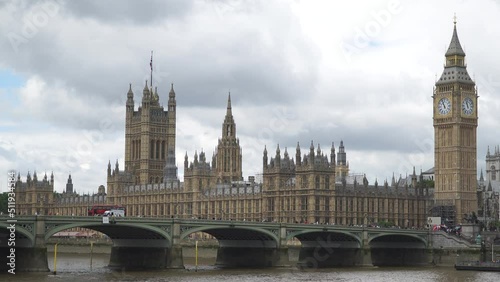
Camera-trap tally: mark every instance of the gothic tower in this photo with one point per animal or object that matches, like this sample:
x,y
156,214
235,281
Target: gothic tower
x,y
455,122
228,160
150,137
69,185
342,168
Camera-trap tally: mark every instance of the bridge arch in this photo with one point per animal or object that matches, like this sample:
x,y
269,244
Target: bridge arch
x,y
242,246
233,232
133,231
398,249
308,233
391,236
26,234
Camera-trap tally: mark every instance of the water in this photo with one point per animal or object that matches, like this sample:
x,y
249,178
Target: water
x,y
76,267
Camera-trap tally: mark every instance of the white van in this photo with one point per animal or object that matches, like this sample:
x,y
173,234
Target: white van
x,y
116,213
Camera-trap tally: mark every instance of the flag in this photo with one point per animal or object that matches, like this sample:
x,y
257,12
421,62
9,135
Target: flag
x,y
151,62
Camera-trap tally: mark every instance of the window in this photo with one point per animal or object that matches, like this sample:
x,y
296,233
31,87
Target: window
x,y
493,173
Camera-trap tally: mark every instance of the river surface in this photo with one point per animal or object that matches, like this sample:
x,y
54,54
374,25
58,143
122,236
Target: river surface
x,y
76,267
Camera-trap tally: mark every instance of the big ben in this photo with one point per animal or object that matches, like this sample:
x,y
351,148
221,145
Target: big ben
x,y
455,122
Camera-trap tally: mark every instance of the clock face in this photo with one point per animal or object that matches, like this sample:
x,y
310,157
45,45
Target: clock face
x,y
444,106
467,106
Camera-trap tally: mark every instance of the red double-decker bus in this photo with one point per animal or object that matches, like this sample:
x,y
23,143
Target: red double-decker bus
x,y
99,210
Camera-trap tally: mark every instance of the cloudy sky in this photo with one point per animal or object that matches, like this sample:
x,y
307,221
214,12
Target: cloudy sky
x,y
358,71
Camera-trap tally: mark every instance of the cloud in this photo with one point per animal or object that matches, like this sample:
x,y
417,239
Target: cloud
x,y
290,79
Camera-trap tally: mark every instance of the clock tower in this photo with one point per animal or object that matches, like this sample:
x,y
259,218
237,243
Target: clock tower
x,y
455,117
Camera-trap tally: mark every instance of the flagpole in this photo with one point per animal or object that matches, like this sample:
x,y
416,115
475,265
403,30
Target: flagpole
x,y
151,65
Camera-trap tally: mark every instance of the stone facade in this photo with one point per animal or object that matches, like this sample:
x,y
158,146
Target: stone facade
x,y
34,196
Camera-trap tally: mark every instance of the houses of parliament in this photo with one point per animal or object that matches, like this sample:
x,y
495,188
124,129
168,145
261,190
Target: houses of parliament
x,y
310,184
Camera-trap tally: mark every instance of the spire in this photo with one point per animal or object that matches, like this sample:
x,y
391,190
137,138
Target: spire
x,y
455,47
130,94
455,69
481,178
229,109
297,154
145,93
172,92
229,127
332,154
264,158
157,98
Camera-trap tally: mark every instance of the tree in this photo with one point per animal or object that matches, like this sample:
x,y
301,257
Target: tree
x,y
4,200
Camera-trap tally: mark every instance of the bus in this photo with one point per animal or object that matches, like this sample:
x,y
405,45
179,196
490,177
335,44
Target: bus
x,y
99,210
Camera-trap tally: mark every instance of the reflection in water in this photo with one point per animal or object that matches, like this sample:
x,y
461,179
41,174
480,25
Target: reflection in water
x,y
76,267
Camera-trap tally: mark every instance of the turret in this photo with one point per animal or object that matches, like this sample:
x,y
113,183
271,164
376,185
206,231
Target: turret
x,y
277,158
311,153
332,154
297,154
341,156
214,161
145,95
186,163
109,168
130,99
264,159
69,185
414,179
52,178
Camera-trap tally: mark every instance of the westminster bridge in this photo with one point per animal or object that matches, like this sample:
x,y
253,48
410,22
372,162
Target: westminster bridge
x,y
155,242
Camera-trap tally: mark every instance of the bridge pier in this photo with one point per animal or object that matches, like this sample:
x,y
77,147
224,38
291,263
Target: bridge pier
x,y
319,257
33,258
365,257
137,254
251,254
400,257
147,253
140,257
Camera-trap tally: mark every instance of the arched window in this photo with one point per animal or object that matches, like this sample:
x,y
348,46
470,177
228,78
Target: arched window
x,y
493,173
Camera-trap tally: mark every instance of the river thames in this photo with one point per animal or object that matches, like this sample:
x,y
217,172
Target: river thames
x,y
76,267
